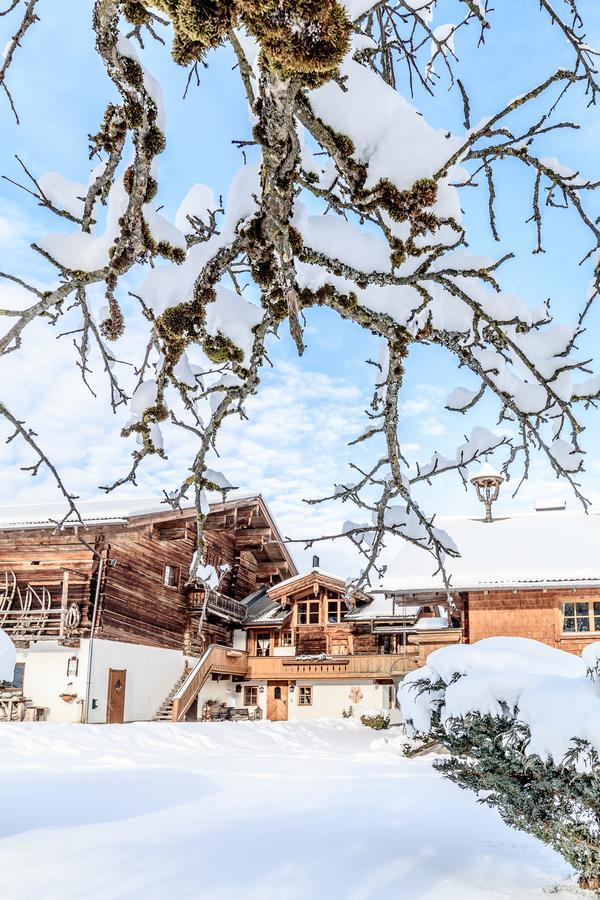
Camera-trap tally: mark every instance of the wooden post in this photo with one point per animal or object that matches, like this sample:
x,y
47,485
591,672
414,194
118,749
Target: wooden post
x,y
64,604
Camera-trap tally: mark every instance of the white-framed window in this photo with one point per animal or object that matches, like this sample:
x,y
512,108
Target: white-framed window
x,y
581,616
305,695
171,576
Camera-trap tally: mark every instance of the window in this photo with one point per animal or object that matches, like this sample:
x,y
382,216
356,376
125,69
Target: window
x,y
384,643
250,695
305,696
285,639
19,676
171,577
263,643
581,616
335,610
277,693
308,613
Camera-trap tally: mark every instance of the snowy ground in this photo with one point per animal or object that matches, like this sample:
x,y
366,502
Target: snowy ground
x,y
258,811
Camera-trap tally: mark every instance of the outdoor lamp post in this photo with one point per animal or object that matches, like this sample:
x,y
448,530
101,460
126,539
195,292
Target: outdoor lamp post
x,y
487,484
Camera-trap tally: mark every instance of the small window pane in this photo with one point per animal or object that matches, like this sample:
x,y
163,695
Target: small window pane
x,y
302,614
333,611
569,609
263,644
569,624
250,696
305,696
581,609
314,614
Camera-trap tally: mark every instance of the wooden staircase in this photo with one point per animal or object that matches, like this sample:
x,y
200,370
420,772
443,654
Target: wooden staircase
x,y
165,713
217,659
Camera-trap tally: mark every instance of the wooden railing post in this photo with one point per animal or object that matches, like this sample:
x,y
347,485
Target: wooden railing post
x,y
64,602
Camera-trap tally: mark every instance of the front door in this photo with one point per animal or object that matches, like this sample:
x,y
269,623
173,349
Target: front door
x,y
277,701
115,706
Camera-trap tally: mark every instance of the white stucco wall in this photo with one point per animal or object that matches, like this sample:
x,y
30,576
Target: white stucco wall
x,y
331,697
45,679
151,675
222,691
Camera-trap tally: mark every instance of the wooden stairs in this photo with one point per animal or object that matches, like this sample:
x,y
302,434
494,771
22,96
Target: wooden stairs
x,y
165,713
217,660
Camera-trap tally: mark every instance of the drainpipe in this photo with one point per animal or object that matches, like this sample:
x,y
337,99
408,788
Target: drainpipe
x,y
85,712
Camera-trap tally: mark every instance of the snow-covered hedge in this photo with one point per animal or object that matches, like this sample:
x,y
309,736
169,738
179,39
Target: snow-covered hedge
x,y
8,657
522,723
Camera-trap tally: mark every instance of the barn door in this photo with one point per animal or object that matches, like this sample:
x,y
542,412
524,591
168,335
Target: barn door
x,y
115,707
277,701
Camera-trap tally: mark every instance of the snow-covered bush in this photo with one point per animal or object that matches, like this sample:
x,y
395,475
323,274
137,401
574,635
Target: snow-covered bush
x,y
8,657
375,719
522,724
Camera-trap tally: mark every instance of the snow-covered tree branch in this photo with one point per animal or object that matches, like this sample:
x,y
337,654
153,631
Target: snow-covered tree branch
x,y
347,199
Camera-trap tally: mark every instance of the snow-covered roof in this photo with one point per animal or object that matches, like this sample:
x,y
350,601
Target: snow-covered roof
x,y
385,607
540,548
43,515
93,512
274,616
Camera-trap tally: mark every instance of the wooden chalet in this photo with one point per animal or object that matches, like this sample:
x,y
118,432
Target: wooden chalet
x,y
107,629
91,607
304,651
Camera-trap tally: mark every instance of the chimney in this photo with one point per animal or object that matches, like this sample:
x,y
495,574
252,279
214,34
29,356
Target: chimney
x,y
315,564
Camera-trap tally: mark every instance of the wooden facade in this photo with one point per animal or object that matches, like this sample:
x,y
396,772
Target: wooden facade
x,y
312,634
48,579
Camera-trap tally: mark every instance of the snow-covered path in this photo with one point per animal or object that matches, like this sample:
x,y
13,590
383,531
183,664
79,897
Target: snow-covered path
x,y
258,811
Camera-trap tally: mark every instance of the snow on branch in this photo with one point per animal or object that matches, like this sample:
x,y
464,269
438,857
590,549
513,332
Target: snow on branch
x,y
352,201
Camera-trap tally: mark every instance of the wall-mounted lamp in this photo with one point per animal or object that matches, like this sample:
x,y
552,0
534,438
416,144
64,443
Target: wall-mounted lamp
x,y
261,689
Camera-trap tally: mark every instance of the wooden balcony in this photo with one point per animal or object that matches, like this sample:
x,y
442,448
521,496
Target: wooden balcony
x,y
350,667
218,604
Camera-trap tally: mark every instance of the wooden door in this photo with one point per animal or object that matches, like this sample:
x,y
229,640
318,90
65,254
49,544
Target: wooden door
x,y
277,701
115,706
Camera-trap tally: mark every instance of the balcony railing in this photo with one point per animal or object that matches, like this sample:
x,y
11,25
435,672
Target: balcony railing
x,y
219,604
360,666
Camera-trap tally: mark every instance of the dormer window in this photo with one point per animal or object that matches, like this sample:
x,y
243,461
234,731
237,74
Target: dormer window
x,y
335,611
309,613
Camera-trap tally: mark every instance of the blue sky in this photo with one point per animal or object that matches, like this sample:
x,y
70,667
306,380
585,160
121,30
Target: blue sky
x,y
294,444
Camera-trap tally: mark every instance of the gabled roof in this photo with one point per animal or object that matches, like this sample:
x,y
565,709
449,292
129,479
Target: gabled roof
x,y
553,548
136,511
298,583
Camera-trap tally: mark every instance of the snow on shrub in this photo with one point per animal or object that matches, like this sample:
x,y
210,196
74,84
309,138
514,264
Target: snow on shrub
x,y
522,723
375,718
8,657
